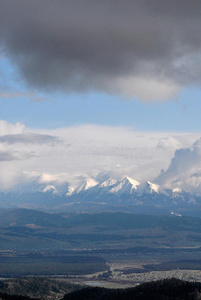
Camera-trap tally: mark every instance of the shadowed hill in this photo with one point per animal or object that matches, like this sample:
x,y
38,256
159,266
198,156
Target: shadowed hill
x,y
168,289
36,287
14,297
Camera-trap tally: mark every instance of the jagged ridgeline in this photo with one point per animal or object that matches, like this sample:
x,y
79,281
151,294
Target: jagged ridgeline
x,y
126,195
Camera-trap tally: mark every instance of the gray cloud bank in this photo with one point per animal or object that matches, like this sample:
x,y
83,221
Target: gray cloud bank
x,y
29,138
15,155
114,46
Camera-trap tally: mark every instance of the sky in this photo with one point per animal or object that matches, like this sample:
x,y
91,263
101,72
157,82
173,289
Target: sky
x,y
100,86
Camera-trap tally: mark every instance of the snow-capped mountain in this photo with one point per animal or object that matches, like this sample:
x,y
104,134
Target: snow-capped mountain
x,y
126,193
89,183
107,184
125,186
52,187
49,188
175,214
107,188
147,188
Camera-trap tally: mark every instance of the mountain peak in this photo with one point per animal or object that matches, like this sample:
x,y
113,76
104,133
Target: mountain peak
x,y
49,188
177,190
89,183
153,186
125,186
108,182
134,182
148,188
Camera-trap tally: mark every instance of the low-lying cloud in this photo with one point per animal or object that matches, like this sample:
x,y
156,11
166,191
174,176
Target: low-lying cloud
x,y
145,49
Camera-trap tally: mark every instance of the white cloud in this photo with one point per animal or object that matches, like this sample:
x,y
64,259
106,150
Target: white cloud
x,y
147,89
8,128
184,168
85,151
10,155
169,143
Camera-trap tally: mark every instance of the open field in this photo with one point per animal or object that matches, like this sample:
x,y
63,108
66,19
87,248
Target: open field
x,y
120,277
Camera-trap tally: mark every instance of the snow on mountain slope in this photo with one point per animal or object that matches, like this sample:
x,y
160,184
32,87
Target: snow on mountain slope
x,y
91,194
49,188
89,183
107,183
177,190
175,214
102,189
177,193
127,186
53,187
111,191
148,188
70,191
38,186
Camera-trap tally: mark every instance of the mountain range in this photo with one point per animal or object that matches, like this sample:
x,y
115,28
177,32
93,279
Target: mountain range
x,y
126,195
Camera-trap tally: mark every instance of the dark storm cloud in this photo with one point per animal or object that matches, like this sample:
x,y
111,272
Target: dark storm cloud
x,y
80,45
29,138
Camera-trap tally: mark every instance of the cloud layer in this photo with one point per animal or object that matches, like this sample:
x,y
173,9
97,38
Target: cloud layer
x,y
15,155
75,153
118,47
29,138
185,169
